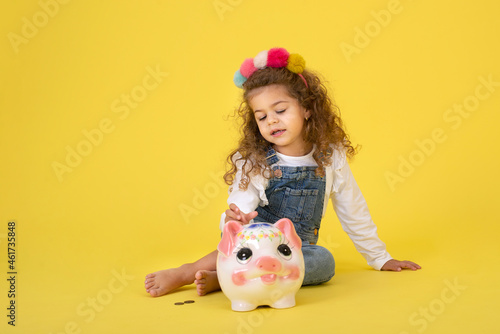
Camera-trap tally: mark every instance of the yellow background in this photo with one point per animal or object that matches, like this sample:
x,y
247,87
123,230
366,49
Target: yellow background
x,y
148,195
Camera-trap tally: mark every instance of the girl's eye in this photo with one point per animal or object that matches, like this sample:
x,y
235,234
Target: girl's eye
x,y
277,111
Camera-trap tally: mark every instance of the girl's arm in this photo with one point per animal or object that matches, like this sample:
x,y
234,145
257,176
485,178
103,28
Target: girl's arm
x,y
242,203
353,213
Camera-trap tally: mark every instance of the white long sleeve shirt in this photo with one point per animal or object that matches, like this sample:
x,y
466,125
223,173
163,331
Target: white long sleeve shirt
x,y
341,187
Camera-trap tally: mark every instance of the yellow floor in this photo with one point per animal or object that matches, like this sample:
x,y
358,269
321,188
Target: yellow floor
x,y
455,292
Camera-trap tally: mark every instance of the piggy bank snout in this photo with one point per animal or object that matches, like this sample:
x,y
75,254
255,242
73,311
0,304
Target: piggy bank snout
x,y
268,263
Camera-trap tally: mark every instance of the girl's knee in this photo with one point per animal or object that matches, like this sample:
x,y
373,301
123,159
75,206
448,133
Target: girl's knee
x,y
328,263
319,265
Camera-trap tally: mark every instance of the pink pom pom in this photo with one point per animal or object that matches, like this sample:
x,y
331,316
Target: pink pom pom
x,y
247,68
277,57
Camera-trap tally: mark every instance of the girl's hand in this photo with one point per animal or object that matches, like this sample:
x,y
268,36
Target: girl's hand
x,y
395,265
234,213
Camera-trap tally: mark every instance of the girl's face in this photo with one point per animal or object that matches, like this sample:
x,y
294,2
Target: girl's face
x,y
281,119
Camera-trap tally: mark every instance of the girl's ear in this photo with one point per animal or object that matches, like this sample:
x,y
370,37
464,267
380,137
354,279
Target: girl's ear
x,y
307,114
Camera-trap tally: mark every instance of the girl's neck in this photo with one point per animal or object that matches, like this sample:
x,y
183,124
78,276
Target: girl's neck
x,y
299,151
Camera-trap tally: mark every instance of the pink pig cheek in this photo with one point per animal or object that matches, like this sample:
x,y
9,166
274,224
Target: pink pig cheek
x,y
239,277
294,273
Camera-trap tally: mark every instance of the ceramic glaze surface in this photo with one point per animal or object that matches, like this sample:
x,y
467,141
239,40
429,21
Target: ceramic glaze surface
x,y
260,264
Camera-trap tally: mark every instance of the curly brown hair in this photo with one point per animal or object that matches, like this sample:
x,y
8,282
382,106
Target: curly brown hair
x,y
323,128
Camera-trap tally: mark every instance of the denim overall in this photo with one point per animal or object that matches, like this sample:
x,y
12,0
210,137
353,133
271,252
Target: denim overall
x,y
298,194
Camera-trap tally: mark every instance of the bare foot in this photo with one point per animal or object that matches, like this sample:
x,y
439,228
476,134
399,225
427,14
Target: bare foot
x,y
206,281
164,281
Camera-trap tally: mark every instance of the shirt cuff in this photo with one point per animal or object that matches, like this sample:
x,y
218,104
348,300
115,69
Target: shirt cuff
x,y
379,263
222,221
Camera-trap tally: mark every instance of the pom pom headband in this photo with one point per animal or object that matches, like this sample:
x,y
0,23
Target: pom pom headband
x,y
275,57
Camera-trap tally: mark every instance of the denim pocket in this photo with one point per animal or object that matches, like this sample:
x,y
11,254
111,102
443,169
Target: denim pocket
x,y
295,204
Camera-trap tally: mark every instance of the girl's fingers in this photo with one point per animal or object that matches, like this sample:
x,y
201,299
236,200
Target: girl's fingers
x,y
233,207
252,215
411,265
234,213
231,215
396,265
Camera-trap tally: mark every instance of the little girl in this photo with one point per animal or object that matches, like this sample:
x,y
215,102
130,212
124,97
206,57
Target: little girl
x,y
291,159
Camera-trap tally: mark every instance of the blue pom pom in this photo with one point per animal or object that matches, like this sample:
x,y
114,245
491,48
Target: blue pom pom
x,y
239,79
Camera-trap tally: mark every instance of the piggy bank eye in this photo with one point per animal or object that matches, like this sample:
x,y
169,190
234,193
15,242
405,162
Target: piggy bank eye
x,y
285,251
244,255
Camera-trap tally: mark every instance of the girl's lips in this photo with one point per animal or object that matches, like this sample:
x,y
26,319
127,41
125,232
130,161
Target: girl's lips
x,y
277,133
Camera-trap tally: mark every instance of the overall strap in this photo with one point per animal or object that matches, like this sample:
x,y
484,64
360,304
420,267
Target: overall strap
x,y
271,157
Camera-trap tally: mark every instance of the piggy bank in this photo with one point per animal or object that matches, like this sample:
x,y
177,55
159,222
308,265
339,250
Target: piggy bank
x,y
260,264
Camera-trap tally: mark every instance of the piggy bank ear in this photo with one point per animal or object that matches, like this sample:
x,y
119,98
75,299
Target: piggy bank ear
x,y
285,225
228,241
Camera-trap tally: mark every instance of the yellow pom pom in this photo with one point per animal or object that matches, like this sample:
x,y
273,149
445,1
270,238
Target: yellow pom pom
x,y
296,63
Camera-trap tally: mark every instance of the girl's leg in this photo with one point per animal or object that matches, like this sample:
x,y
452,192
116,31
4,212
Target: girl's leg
x,y
164,281
319,264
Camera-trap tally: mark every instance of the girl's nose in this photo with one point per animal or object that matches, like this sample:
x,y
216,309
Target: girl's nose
x,y
271,119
